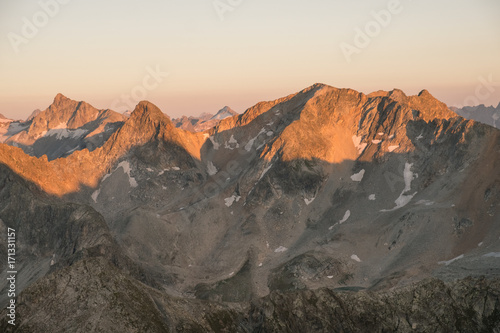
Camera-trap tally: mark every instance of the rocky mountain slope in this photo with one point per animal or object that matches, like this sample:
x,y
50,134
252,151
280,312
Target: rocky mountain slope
x,y
205,121
324,201
64,127
485,114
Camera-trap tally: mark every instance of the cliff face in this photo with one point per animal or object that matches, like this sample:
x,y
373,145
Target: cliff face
x,y
281,209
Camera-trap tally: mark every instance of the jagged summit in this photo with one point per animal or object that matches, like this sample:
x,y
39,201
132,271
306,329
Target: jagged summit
x,y
225,112
33,114
204,121
146,108
482,113
425,93
78,124
61,98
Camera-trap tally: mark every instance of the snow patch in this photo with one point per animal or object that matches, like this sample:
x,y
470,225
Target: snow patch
x,y
330,276
346,216
250,143
262,145
420,136
380,133
391,136
125,165
446,263
211,169
232,141
403,199
371,197
61,126
63,133
229,201
149,169
376,141
95,195
105,177
425,202
356,140
492,255
215,144
269,133
308,201
280,249
176,168
15,127
355,258
357,177
393,148
265,171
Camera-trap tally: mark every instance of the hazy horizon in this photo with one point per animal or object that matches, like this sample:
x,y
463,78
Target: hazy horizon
x,y
213,111
238,53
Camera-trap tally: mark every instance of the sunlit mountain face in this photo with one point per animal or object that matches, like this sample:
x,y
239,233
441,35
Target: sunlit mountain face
x,y
327,210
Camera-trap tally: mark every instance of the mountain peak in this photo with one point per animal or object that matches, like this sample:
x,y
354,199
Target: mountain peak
x,y
225,112
34,114
319,85
60,98
398,95
145,111
425,93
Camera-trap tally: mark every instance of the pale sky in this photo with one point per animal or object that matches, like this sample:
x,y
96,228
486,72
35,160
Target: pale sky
x,y
243,53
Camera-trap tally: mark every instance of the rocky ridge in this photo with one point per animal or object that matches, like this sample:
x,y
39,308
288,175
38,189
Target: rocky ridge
x,y
64,127
286,208
484,114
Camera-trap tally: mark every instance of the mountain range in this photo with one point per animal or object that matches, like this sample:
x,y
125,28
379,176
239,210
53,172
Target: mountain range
x,y
205,121
484,114
326,210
